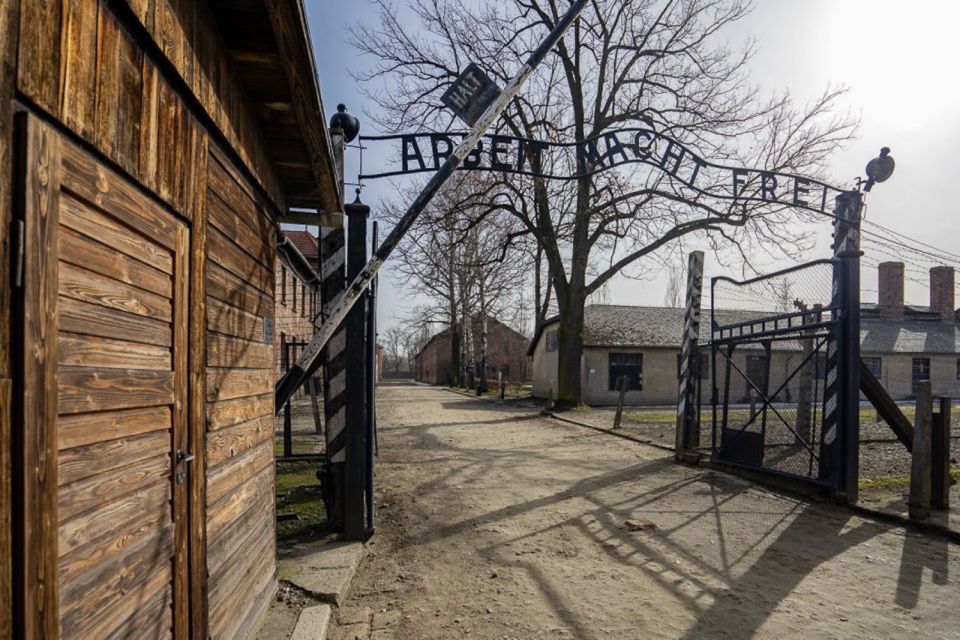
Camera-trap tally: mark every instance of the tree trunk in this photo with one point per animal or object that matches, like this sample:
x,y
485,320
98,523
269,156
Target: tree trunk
x,y
482,369
570,347
456,334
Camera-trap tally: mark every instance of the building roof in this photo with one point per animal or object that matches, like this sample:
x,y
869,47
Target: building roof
x,y
306,244
628,326
446,332
269,46
303,269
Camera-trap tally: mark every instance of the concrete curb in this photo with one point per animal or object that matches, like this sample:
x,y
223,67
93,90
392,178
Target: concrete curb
x,y
324,572
312,623
656,445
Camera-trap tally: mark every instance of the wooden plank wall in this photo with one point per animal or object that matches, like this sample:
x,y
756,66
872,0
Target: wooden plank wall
x,y
240,240
89,67
121,262
82,66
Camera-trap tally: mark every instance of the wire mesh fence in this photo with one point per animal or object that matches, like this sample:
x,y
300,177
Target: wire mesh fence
x,y
771,344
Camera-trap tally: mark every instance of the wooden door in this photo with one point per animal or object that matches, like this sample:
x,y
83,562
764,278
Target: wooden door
x,y
104,389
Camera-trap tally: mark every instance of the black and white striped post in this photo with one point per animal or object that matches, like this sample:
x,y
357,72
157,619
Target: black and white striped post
x,y
840,445
688,423
310,356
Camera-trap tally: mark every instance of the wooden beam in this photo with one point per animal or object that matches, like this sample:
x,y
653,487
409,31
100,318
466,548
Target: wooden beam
x,y
197,429
255,58
9,21
886,407
41,207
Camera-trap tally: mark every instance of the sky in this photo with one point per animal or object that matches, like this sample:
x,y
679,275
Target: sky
x,y
898,59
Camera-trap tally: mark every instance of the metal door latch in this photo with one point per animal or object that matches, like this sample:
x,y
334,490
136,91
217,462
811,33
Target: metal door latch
x,y
183,456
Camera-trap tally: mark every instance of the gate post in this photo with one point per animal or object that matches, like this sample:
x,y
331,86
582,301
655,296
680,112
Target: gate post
x,y
688,423
840,451
332,285
940,464
355,426
370,392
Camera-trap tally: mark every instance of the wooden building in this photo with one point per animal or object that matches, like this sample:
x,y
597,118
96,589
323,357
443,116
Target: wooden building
x,y
149,149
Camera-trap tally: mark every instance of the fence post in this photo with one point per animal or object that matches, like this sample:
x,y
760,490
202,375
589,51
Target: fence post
x,y
622,386
940,463
920,465
688,425
500,384
287,417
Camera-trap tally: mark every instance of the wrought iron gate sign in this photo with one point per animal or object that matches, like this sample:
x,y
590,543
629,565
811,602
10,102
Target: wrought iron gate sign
x,y
426,152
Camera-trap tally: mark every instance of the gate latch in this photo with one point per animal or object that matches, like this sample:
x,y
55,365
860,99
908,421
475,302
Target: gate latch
x,y
183,456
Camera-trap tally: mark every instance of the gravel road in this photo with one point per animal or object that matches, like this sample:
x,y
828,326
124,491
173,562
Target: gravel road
x,y
497,523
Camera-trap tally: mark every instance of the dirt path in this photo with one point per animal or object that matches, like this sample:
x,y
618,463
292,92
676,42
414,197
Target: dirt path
x,y
497,523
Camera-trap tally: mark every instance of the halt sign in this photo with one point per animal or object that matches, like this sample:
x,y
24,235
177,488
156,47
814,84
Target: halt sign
x,y
470,94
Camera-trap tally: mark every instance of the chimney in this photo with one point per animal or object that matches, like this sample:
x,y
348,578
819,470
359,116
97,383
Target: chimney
x,y
941,292
890,286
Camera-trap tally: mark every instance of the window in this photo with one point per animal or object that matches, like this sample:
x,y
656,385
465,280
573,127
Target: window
x,y
552,342
958,368
921,371
506,370
704,366
628,365
293,287
874,365
283,286
756,372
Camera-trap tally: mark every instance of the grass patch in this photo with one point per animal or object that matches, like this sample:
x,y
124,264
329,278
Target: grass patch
x,y
897,481
513,391
734,416
298,492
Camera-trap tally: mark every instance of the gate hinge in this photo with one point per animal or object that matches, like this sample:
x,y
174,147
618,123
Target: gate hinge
x,y
18,250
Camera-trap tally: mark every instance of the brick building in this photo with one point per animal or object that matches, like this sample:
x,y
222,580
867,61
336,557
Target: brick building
x,y
297,301
506,352
901,344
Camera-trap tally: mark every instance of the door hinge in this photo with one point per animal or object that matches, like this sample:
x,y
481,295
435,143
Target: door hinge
x,y
19,229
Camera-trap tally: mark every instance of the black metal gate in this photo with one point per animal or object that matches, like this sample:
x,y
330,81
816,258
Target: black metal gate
x,y
774,343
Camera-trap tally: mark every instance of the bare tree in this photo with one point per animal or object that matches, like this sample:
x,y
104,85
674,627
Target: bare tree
x,y
658,62
674,293
466,265
394,349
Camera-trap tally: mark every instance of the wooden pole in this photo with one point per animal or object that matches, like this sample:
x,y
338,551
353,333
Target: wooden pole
x,y
940,462
287,417
354,470
920,468
317,422
688,423
622,384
